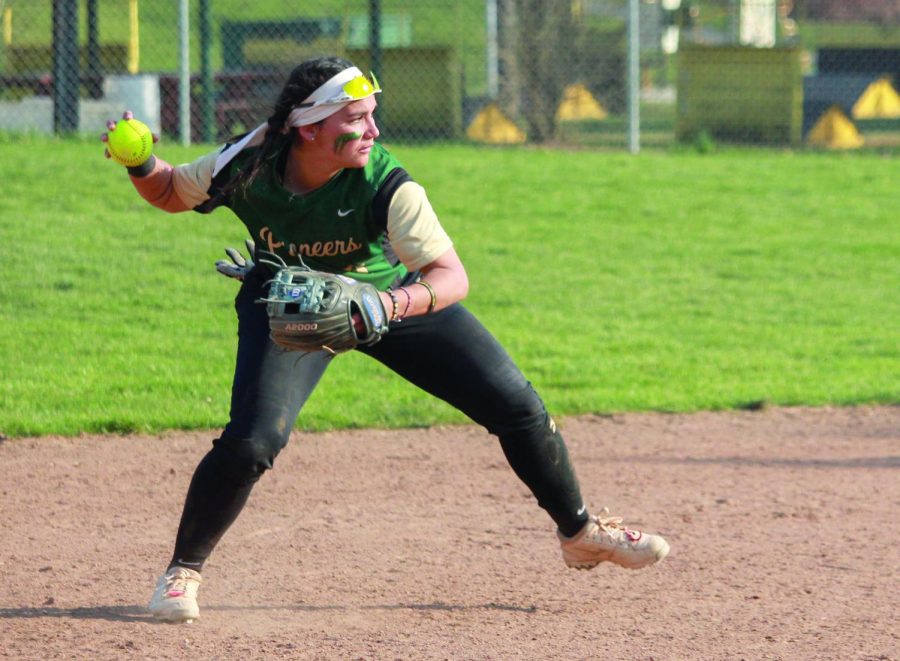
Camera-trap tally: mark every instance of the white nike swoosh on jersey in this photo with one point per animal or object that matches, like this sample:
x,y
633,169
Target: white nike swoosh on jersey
x,y
582,510
342,213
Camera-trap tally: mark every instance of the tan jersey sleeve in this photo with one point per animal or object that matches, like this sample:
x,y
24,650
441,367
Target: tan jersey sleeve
x,y
413,227
192,180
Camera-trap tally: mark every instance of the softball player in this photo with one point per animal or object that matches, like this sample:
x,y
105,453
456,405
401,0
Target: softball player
x,y
312,184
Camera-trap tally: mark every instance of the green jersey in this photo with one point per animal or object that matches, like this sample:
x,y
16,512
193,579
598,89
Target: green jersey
x,y
338,228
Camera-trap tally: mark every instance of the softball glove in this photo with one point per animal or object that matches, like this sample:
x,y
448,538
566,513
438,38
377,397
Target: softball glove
x,y
314,311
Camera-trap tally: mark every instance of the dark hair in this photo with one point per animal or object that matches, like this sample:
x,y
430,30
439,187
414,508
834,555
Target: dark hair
x,y
303,81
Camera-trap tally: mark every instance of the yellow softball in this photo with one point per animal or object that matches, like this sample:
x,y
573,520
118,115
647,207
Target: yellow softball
x,y
130,143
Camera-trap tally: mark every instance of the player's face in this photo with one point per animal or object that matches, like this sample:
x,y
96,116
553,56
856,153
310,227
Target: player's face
x,y
349,134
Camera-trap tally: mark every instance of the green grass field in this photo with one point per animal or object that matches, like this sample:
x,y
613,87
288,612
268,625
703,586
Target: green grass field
x,y
668,281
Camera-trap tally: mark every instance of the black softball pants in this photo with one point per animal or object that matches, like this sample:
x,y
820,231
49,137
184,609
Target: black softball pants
x,y
448,354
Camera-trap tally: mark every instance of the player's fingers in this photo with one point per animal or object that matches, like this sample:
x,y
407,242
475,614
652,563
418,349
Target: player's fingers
x,y
235,256
229,270
155,138
111,124
358,324
251,248
104,137
106,153
127,115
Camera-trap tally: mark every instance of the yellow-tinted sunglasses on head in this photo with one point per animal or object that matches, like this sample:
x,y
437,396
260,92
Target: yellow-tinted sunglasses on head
x,y
353,90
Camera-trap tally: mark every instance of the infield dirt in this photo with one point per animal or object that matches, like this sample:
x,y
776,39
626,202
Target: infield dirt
x,y
422,544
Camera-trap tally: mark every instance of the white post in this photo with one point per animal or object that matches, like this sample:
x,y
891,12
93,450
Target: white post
x,y
634,77
184,77
758,23
493,71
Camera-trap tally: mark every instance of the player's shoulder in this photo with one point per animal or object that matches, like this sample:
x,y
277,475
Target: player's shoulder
x,y
237,151
382,161
382,167
236,158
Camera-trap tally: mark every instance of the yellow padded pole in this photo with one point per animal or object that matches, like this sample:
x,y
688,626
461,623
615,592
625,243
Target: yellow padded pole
x,y
134,44
7,26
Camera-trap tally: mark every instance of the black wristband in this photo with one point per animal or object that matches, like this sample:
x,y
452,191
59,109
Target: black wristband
x,y
144,168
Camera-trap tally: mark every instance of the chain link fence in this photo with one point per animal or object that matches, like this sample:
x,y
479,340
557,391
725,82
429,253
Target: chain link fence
x,y
592,73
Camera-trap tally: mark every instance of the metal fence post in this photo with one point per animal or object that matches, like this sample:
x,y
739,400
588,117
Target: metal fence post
x,y
634,74
184,77
65,66
207,95
491,54
94,69
375,48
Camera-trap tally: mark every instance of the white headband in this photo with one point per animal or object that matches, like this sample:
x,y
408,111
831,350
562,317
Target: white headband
x,y
326,100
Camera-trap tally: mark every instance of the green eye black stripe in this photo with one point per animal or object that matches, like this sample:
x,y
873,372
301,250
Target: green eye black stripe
x,y
341,141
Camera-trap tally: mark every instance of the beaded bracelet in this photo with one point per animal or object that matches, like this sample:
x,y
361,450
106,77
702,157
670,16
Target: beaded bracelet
x,y
395,313
431,293
408,302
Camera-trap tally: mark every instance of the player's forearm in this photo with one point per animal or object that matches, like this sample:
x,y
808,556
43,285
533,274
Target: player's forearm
x,y
154,182
440,287
444,282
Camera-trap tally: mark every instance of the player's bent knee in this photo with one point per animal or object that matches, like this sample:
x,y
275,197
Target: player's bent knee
x,y
523,415
244,460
